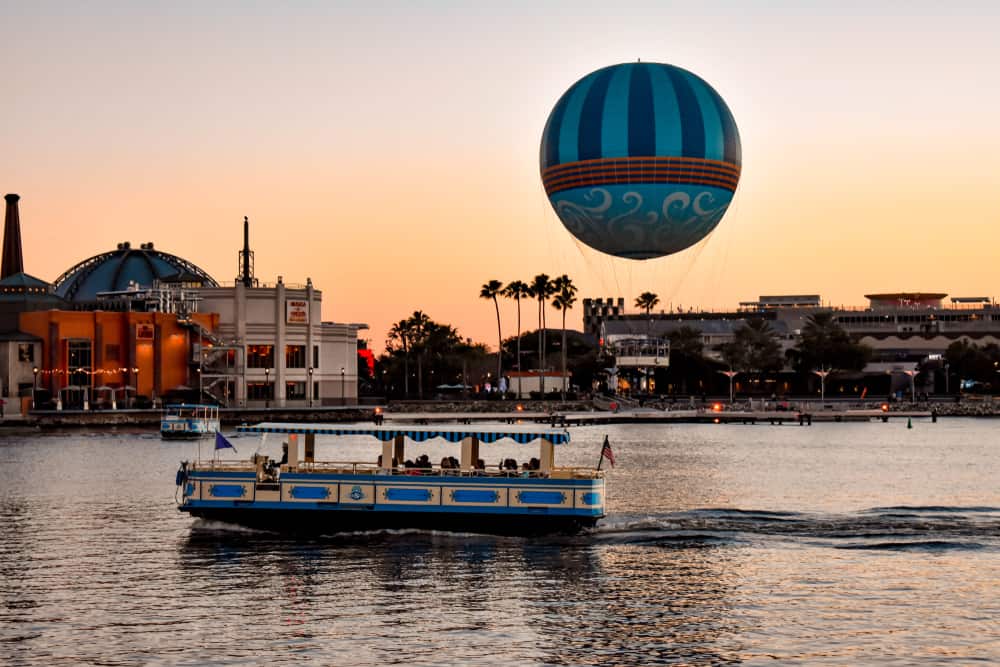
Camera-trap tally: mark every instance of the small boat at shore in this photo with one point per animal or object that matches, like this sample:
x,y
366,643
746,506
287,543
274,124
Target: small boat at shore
x,y
301,494
187,421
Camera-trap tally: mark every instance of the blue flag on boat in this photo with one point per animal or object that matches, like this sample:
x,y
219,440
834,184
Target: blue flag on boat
x,y
222,443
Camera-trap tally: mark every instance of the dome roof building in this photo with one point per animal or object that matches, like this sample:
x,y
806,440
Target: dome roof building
x,y
124,267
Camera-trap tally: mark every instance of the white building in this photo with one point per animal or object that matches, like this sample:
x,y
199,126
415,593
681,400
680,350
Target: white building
x,y
271,347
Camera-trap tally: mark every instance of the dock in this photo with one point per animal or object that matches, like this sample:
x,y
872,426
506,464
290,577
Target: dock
x,y
650,416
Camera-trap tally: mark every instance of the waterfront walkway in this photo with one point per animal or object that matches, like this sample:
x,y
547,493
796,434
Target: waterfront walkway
x,y
575,415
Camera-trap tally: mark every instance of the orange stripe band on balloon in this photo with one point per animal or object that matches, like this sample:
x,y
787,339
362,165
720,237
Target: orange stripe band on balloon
x,y
681,170
639,176
655,160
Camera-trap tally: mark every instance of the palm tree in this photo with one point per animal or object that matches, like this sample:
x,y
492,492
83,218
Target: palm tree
x,y
518,290
647,301
541,289
401,331
417,325
687,352
565,297
492,290
754,349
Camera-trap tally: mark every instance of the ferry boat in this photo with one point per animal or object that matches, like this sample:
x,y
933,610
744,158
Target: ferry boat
x,y
462,494
189,421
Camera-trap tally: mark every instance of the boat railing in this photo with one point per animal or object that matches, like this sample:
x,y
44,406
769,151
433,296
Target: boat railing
x,y
360,468
223,466
367,468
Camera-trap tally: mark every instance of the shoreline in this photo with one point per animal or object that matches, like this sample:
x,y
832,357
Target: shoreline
x,y
557,412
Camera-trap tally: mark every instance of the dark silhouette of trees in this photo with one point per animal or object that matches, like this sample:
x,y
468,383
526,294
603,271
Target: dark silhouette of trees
x,y
825,345
518,290
754,349
563,300
492,290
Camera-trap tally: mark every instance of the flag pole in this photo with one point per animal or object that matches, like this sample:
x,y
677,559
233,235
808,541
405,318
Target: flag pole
x,y
600,459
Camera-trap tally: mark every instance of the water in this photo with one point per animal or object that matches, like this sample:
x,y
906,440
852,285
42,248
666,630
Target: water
x,y
725,544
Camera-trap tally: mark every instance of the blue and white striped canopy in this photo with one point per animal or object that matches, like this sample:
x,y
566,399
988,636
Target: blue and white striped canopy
x,y
523,434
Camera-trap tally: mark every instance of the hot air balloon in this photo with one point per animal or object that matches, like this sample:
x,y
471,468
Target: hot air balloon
x,y
640,160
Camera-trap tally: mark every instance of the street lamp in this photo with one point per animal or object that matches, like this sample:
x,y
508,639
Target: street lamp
x,y
730,375
822,384
343,396
913,394
310,389
135,394
34,386
199,386
267,388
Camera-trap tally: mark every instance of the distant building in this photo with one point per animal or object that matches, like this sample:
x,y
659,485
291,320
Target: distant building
x,y
142,322
524,383
902,328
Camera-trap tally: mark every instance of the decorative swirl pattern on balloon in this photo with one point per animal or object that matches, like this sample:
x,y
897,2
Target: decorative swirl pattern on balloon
x,y
638,223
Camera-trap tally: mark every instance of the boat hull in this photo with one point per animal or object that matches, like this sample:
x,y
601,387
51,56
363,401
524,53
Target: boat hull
x,y
312,522
315,502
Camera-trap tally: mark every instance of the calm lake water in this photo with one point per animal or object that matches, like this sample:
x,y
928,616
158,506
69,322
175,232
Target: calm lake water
x,y
725,544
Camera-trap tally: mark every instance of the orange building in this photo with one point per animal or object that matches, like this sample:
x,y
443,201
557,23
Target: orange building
x,y
100,356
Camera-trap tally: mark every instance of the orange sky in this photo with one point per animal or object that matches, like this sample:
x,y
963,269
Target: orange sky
x,y
390,153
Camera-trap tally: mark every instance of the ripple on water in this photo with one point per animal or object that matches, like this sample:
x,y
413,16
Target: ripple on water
x,y
784,545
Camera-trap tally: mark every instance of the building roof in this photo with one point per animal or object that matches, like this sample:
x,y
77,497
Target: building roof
x,y
662,327
19,336
22,279
28,291
907,296
115,270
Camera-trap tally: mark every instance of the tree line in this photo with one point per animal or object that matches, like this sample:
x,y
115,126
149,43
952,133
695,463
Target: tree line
x,y
420,350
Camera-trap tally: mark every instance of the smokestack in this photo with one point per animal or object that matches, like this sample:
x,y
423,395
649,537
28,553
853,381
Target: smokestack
x,y
246,251
13,261
246,257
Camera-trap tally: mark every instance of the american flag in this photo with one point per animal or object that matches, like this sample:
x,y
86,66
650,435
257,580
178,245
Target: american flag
x,y
607,453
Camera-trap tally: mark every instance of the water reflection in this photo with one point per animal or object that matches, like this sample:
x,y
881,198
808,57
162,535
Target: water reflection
x,y
561,601
744,544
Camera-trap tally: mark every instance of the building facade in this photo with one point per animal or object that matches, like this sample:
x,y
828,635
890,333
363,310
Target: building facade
x,y
285,354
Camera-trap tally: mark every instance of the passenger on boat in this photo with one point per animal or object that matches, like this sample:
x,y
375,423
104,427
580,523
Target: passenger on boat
x,y
530,467
284,453
449,463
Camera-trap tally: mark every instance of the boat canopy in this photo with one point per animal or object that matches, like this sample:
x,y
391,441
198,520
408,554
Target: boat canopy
x,y
520,433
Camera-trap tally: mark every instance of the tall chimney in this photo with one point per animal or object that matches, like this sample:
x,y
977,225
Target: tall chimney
x,y
246,258
13,261
246,249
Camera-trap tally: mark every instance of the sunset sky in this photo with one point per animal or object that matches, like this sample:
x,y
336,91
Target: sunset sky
x,y
389,151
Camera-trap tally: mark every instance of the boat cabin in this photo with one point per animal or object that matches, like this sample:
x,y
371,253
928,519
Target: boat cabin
x,y
391,491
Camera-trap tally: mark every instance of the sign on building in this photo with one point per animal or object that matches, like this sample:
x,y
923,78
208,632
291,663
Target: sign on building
x,y
144,331
296,311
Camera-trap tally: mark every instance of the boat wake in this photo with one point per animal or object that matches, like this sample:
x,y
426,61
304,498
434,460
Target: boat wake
x,y
898,528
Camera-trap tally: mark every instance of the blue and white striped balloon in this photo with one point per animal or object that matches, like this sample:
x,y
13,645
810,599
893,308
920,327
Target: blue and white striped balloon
x,y
640,160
